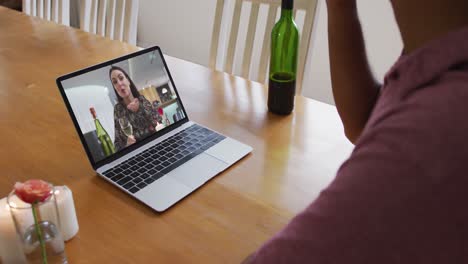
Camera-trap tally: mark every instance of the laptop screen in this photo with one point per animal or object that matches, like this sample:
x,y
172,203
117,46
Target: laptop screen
x,y
120,103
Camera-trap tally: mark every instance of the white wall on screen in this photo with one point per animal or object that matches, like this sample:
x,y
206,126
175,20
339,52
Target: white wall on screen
x,y
88,87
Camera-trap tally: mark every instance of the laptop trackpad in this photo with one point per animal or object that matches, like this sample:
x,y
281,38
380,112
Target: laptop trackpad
x,y
229,150
198,170
163,193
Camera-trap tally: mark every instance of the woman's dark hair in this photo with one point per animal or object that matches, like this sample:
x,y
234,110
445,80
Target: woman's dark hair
x,y
133,88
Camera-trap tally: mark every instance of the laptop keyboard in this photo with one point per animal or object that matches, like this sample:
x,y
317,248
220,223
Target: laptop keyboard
x,y
141,170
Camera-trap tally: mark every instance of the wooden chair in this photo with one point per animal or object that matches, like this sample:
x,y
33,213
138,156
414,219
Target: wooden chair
x,y
308,6
52,10
115,19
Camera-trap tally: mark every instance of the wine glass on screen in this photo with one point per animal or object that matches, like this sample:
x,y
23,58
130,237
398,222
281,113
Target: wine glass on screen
x,y
126,126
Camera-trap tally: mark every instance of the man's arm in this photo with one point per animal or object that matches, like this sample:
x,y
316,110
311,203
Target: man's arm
x,y
354,87
397,199
249,259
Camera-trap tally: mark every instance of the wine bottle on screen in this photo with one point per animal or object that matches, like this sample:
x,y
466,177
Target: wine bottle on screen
x,y
283,62
104,139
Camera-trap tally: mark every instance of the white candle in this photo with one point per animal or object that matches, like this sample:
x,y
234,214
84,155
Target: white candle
x,y
66,211
11,250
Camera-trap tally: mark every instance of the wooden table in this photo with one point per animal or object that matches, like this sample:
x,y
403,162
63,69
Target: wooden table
x,y
294,157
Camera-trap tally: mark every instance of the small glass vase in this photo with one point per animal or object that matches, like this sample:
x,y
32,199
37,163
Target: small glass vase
x,y
45,228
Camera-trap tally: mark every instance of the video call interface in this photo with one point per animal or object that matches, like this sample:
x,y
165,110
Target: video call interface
x,y
121,104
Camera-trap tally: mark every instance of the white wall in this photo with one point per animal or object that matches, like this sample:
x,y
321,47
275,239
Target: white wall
x,y
383,45
183,29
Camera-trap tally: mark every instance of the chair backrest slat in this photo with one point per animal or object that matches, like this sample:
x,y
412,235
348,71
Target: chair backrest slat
x,y
64,13
93,16
101,18
249,42
119,19
26,6
264,58
305,40
115,19
110,19
59,8
47,9
131,21
40,9
33,8
254,24
216,33
85,15
55,11
52,10
233,36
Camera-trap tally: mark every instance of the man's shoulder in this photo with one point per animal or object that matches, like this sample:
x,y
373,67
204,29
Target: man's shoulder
x,y
452,78
420,126
446,95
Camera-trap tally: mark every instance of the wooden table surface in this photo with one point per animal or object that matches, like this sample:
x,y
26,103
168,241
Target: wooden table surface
x,y
294,157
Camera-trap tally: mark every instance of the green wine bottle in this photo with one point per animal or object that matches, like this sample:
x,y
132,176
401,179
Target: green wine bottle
x,y
104,139
283,62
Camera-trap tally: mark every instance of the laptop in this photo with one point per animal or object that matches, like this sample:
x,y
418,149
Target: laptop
x,y
137,134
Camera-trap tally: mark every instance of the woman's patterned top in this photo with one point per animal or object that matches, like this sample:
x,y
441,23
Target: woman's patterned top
x,y
143,121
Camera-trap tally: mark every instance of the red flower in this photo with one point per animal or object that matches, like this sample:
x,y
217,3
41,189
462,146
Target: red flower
x,y
160,111
32,191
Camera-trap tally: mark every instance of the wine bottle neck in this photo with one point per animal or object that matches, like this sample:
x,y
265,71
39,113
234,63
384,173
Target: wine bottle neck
x,y
286,14
97,123
287,9
93,112
287,4
99,128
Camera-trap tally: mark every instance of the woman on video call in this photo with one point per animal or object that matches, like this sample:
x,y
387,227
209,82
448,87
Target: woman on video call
x,y
132,108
